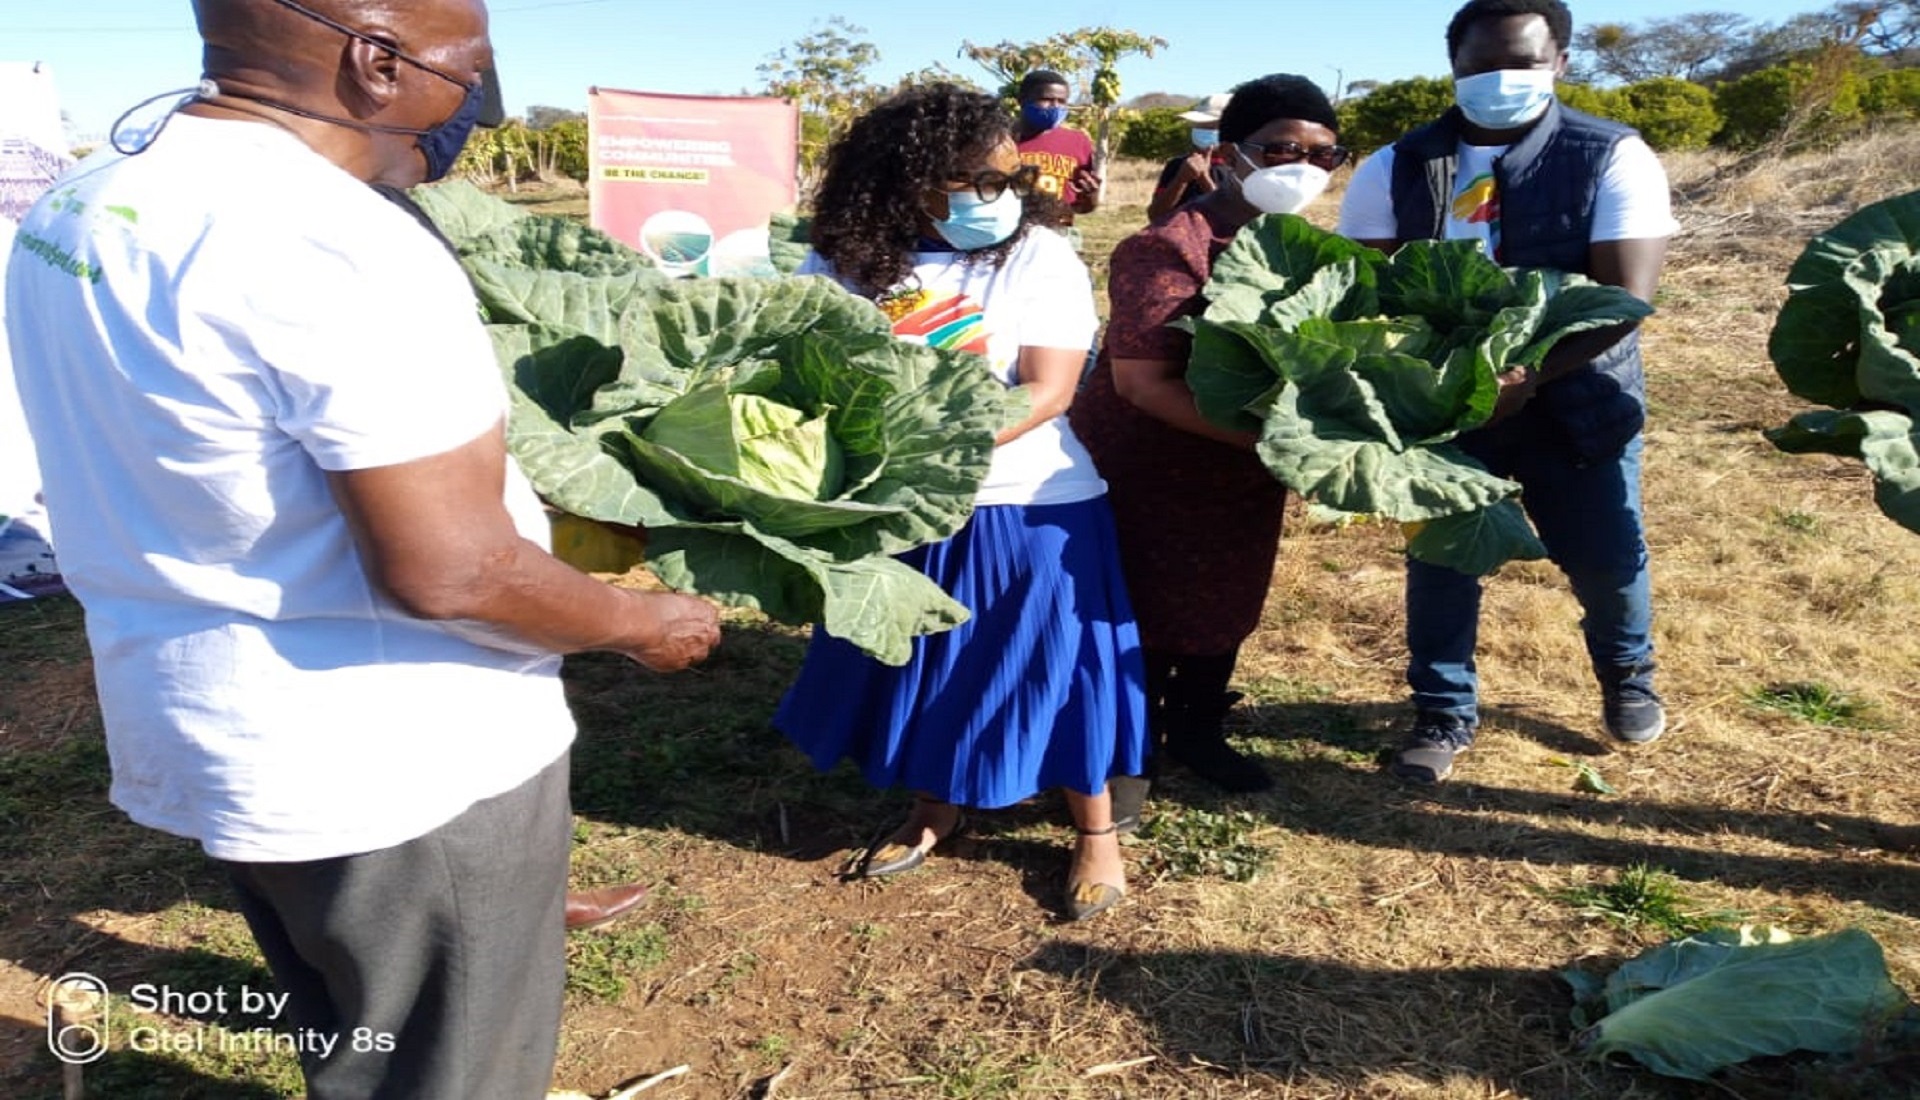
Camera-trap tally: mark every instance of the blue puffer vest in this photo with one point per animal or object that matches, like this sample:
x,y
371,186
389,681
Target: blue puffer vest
x,y
1547,182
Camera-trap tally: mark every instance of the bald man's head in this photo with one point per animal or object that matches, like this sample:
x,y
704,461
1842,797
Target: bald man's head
x,y
379,69
299,48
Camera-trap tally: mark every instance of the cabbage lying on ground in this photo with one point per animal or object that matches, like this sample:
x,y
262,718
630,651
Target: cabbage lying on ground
x,y
775,440
1358,370
1848,338
1696,1005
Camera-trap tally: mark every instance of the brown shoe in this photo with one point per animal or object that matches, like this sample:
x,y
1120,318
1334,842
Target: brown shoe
x,y
593,908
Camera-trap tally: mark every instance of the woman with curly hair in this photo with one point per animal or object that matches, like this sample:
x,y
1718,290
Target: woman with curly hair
x,y
926,210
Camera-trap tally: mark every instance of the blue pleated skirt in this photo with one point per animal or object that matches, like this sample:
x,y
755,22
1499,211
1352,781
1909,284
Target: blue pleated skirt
x,y
1043,687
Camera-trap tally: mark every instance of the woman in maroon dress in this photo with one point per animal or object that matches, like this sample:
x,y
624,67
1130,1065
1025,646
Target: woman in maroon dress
x,y
1199,515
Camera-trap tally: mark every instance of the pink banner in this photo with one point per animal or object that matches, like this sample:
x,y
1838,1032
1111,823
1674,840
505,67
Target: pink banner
x,y
691,180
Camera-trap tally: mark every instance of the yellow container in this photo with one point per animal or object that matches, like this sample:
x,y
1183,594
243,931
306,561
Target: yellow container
x,y
595,547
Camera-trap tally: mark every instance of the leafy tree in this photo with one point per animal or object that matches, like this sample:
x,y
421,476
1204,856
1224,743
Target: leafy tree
x,y
561,149
1155,100
1103,47
1753,108
824,73
1670,113
1892,95
514,152
1887,27
543,117
500,155
1382,115
1604,102
1157,134
1006,62
1798,105
936,73
1086,57
1688,47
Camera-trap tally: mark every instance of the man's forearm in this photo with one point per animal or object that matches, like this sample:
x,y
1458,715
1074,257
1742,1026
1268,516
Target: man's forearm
x,y
523,598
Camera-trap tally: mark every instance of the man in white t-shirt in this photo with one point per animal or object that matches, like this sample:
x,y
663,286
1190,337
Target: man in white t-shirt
x,y
326,631
1538,185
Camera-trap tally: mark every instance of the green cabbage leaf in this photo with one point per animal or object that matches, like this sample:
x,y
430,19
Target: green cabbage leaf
x,y
1848,337
1696,1005
1357,369
779,445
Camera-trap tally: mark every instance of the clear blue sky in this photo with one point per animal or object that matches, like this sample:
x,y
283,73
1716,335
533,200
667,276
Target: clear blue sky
x,y
108,54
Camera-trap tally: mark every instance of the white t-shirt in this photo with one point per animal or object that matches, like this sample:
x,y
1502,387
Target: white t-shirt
x,y
201,332
1040,297
1633,201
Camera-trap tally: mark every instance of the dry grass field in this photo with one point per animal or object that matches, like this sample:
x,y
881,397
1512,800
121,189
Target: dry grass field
x,y
1341,936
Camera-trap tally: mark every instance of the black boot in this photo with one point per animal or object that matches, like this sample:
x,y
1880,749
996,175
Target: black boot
x,y
1197,705
1130,791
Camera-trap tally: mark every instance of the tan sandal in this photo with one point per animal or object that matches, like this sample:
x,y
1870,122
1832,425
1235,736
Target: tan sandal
x,y
893,858
1086,900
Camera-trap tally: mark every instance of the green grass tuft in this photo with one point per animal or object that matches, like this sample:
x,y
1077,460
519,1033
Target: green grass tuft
x,y
1816,703
1643,898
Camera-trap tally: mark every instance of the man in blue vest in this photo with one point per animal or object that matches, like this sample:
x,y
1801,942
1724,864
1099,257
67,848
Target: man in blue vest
x,y
1538,185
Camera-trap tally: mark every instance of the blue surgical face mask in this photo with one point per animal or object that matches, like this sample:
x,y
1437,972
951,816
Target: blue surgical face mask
x,y
1205,139
971,224
1038,117
1505,99
441,145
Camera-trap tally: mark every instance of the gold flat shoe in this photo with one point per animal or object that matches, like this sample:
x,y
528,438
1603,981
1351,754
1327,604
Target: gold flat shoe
x,y
894,858
1086,900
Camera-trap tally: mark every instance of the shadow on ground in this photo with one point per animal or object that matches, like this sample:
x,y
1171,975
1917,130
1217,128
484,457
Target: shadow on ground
x,y
696,752
1295,1020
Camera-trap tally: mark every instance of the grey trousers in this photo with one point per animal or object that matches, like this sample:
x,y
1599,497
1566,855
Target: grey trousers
x,y
433,970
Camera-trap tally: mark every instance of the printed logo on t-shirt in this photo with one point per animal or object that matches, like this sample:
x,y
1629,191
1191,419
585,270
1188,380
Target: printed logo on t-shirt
x,y
1478,201
1055,170
1475,214
951,322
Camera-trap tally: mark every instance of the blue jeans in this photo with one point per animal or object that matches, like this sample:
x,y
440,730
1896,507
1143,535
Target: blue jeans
x,y
1588,516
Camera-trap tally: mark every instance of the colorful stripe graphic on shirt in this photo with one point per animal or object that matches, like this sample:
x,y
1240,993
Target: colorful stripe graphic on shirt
x,y
1478,203
952,322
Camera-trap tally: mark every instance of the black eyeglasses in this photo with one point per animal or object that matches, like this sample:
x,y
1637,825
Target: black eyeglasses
x,y
1275,153
990,185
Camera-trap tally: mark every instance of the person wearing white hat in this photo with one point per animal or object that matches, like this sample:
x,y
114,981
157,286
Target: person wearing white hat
x,y
1185,178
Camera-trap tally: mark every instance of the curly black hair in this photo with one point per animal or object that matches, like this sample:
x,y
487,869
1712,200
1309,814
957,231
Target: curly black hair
x,y
1559,19
868,209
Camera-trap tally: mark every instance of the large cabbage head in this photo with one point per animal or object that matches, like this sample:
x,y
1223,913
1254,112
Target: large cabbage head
x,y
775,440
1848,337
1357,370
775,448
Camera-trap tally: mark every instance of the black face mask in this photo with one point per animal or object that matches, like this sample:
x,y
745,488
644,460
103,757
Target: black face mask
x,y
441,144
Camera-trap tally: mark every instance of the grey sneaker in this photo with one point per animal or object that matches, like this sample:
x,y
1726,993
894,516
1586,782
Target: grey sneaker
x,y
1427,756
1633,713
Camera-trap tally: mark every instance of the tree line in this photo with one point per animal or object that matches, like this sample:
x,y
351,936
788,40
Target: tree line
x,y
1684,81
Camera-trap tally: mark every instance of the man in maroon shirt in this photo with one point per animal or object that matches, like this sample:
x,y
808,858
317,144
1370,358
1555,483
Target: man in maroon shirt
x,y
1063,155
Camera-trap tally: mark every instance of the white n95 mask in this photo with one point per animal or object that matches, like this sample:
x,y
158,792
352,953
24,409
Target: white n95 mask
x,y
1284,189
